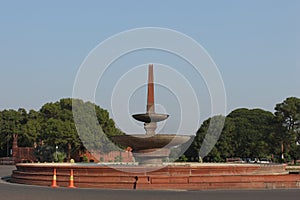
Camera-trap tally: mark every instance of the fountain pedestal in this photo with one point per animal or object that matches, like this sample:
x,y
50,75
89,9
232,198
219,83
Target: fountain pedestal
x,y
150,128
152,156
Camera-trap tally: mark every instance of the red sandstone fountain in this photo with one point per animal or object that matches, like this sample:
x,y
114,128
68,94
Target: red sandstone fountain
x,y
151,148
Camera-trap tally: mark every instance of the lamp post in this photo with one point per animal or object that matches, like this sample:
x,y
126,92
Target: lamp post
x,y
56,148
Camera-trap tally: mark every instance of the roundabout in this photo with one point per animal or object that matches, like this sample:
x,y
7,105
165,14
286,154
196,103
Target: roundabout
x,y
174,176
151,173
30,192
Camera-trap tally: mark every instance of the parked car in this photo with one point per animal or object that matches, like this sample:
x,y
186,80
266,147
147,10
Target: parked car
x,y
249,160
264,161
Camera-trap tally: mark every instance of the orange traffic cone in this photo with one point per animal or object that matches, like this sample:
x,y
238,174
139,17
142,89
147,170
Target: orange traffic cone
x,y
54,185
72,180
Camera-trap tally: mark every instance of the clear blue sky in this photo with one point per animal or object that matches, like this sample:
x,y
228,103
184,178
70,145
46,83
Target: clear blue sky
x,y
255,44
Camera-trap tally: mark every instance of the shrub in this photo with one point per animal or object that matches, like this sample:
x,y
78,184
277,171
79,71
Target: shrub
x,y
85,159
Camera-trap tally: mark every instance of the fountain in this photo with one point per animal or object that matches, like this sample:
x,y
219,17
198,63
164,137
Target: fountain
x,y
151,148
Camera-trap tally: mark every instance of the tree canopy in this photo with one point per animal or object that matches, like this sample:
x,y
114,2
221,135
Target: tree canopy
x,y
288,118
252,133
247,133
53,125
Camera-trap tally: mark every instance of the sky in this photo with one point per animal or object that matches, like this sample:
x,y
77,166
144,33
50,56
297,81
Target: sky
x,y
255,45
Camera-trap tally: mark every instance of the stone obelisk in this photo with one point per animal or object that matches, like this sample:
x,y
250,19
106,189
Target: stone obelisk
x,y
151,126
150,97
150,118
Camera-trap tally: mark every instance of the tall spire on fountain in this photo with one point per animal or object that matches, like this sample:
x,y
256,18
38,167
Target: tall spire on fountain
x,y
150,118
150,97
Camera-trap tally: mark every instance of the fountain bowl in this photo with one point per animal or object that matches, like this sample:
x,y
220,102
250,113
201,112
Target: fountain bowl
x,y
150,117
142,141
151,149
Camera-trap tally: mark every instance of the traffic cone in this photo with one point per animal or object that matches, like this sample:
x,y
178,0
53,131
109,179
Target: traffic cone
x,y
54,185
72,179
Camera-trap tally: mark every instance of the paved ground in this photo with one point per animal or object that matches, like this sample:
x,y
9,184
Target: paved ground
x,y
10,191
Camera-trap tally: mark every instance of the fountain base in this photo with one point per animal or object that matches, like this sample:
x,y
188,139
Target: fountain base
x,y
172,176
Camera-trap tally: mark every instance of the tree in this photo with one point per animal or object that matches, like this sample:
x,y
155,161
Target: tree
x,y
12,122
53,125
288,116
94,126
204,144
252,132
29,127
246,133
92,122
58,127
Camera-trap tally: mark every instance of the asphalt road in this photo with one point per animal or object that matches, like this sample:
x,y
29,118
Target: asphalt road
x,y
9,191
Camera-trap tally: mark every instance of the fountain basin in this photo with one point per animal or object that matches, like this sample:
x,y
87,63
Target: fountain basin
x,y
150,117
142,142
151,149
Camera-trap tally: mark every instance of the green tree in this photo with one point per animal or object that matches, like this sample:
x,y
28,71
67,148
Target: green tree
x,y
253,130
246,133
95,126
29,127
12,122
288,133
58,127
204,143
53,125
93,123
